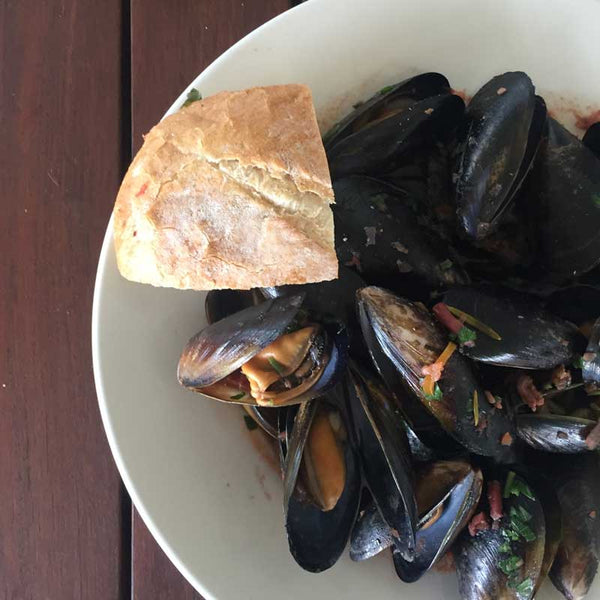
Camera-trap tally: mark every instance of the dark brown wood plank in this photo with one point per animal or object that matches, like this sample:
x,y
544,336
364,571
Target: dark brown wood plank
x,y
60,164
171,43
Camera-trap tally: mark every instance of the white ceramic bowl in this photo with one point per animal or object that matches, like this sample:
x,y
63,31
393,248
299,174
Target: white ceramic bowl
x,y
206,495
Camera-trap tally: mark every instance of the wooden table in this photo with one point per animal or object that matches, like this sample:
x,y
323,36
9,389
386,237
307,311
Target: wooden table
x,y
80,82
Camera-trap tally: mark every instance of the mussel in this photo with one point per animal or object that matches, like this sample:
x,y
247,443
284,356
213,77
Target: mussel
x,y
406,333
390,100
272,354
577,485
528,337
500,555
385,457
378,232
321,479
565,195
447,495
579,303
500,136
555,433
384,144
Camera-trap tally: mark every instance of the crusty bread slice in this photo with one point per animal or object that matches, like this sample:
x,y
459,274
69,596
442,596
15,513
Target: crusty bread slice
x,y
230,192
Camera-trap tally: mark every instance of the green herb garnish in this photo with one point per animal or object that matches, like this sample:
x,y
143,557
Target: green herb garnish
x,y
466,335
237,396
437,394
596,200
447,264
505,548
519,525
525,588
509,482
277,366
386,89
192,96
250,423
511,564
578,361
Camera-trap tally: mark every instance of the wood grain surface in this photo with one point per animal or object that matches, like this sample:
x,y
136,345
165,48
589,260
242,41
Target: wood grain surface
x,y
171,42
60,166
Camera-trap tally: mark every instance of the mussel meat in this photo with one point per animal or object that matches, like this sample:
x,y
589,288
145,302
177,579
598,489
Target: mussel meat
x,y
272,354
321,479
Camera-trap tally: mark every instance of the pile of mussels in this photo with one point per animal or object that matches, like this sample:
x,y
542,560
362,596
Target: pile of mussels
x,y
441,398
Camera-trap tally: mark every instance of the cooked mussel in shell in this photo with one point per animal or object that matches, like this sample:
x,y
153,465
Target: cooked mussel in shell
x,y
272,354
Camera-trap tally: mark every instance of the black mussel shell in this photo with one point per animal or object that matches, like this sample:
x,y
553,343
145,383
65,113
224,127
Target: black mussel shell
x,y
445,519
407,335
504,563
391,99
577,303
378,232
496,151
566,199
335,297
370,536
223,303
531,337
385,457
266,418
384,145
221,348
577,484
316,537
554,433
592,138
590,370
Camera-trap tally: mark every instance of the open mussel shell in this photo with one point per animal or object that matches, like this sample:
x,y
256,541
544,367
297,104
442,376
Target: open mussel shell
x,y
321,483
504,562
577,485
383,145
531,337
591,139
270,354
554,433
447,495
496,151
390,100
591,359
407,335
565,194
266,418
385,457
377,229
370,535
221,348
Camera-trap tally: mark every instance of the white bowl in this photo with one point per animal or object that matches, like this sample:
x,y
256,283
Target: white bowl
x,y
207,496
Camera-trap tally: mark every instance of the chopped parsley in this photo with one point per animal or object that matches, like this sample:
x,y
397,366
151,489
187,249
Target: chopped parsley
x,y
446,265
466,335
250,423
525,588
386,89
437,394
192,96
237,396
518,523
516,487
578,361
511,564
277,366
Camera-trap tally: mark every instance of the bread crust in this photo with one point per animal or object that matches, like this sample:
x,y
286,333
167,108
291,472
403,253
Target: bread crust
x,y
230,192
